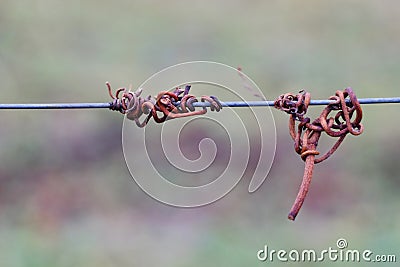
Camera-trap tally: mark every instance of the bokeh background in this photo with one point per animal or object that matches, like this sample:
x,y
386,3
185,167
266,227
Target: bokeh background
x,y
66,196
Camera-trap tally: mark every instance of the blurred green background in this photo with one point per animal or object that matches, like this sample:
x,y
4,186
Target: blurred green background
x,y
66,196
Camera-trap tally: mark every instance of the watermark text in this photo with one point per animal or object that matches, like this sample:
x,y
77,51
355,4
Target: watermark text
x,y
339,253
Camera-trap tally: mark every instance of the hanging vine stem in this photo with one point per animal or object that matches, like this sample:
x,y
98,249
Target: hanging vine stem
x,y
307,134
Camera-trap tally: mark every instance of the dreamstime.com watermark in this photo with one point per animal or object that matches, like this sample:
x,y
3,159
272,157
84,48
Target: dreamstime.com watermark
x,y
340,253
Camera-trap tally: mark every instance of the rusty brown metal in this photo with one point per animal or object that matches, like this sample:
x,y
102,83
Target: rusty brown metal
x,y
307,134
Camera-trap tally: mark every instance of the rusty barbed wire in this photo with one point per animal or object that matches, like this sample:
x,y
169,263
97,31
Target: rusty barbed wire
x,y
307,134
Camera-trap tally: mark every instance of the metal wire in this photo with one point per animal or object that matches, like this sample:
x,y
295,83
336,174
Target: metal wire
x,y
386,100
312,102
56,106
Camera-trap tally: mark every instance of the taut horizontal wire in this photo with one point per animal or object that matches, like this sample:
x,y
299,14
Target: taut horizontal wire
x,y
386,100
55,106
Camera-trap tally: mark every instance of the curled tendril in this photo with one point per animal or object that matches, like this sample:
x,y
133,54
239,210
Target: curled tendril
x,y
171,105
307,134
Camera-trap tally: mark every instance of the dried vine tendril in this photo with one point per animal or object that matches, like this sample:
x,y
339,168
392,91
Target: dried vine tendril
x,y
307,134
171,105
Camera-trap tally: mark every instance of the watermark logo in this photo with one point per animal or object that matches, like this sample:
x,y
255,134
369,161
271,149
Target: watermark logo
x,y
194,161
340,253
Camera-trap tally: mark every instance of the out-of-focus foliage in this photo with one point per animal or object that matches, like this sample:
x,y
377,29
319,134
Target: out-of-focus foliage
x,y
66,197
